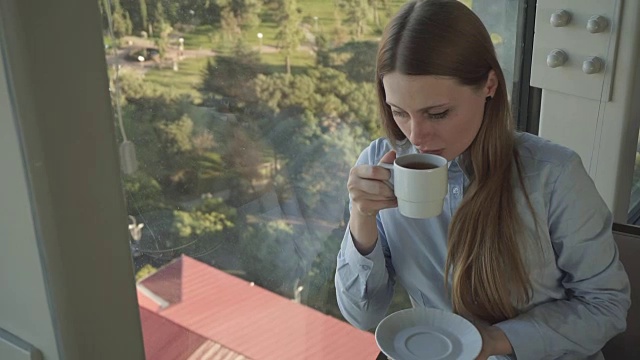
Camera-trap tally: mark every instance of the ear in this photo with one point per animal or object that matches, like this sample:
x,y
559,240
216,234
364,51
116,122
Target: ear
x,y
490,87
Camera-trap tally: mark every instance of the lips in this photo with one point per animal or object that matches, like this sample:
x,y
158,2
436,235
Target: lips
x,y
432,152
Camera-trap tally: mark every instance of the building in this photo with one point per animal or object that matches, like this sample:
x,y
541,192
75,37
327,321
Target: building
x,y
190,310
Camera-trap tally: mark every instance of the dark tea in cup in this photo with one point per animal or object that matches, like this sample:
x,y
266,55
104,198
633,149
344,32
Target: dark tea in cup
x,y
417,165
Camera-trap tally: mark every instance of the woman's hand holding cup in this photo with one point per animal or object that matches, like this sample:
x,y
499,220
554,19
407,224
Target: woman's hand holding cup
x,y
368,187
369,194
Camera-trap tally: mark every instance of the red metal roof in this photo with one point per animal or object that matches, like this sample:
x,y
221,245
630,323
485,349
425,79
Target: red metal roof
x,y
165,340
247,319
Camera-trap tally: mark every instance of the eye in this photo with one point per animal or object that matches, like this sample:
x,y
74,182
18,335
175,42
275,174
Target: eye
x,y
398,114
438,116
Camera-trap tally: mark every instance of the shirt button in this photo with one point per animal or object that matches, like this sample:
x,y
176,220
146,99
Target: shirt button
x,y
456,191
365,267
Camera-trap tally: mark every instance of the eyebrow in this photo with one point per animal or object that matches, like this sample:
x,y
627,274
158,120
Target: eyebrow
x,y
423,109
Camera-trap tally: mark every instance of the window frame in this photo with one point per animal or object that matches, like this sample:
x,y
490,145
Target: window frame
x,y
526,100
66,132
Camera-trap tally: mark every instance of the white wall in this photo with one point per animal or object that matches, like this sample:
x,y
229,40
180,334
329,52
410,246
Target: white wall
x,y
604,133
24,310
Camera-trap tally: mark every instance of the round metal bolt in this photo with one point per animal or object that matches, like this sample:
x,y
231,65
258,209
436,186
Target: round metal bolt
x,y
556,58
560,18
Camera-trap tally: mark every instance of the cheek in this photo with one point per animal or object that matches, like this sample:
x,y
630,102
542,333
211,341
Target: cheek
x,y
468,127
462,130
405,127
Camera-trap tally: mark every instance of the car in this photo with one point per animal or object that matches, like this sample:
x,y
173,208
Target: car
x,y
143,54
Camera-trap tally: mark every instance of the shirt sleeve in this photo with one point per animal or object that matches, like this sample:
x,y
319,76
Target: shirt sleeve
x,y
596,285
365,284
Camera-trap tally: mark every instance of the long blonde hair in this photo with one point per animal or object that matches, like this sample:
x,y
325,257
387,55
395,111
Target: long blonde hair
x,y
445,38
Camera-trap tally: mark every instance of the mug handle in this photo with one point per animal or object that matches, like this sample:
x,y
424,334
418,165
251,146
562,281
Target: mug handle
x,y
390,168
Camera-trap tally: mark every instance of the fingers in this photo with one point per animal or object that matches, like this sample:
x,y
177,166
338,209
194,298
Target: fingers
x,y
369,195
370,204
372,207
374,189
389,157
367,188
370,172
370,180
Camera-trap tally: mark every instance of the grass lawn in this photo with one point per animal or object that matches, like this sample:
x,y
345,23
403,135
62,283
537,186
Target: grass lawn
x,y
185,80
274,62
268,30
200,38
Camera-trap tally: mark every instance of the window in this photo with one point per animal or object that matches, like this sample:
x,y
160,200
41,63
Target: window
x,y
238,123
634,204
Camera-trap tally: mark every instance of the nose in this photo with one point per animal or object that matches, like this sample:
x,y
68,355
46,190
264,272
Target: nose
x,y
421,132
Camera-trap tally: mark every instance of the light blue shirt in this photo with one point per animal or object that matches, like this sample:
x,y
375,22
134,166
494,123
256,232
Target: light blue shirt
x,y
580,289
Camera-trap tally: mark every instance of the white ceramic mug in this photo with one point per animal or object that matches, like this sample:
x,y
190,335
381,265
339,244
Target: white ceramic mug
x,y
420,182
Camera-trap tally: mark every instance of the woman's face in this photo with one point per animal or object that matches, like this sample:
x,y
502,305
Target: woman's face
x,y
437,114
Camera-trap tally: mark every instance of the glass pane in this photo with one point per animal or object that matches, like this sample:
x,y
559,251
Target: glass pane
x,y
501,19
634,204
238,123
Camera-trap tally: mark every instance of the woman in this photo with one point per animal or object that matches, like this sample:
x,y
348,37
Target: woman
x,y
524,238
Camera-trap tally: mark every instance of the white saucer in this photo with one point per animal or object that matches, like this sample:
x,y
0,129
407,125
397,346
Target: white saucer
x,y
427,334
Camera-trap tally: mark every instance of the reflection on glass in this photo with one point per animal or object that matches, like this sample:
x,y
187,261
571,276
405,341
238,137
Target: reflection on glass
x,y
634,203
238,123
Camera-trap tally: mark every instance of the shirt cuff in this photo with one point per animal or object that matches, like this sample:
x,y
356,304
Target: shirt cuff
x,y
370,267
525,338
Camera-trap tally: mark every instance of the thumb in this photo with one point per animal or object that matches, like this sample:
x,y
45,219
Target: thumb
x,y
389,157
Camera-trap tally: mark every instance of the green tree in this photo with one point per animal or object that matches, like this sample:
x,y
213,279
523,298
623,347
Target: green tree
x,y
340,33
120,20
145,271
211,204
139,13
248,13
277,85
157,121
143,194
192,12
144,17
362,109
379,5
321,193
203,229
238,15
229,24
242,157
326,95
175,135
172,11
198,223
357,13
210,171
229,75
323,54
289,33
160,23
319,281
361,65
272,254
162,28
122,80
